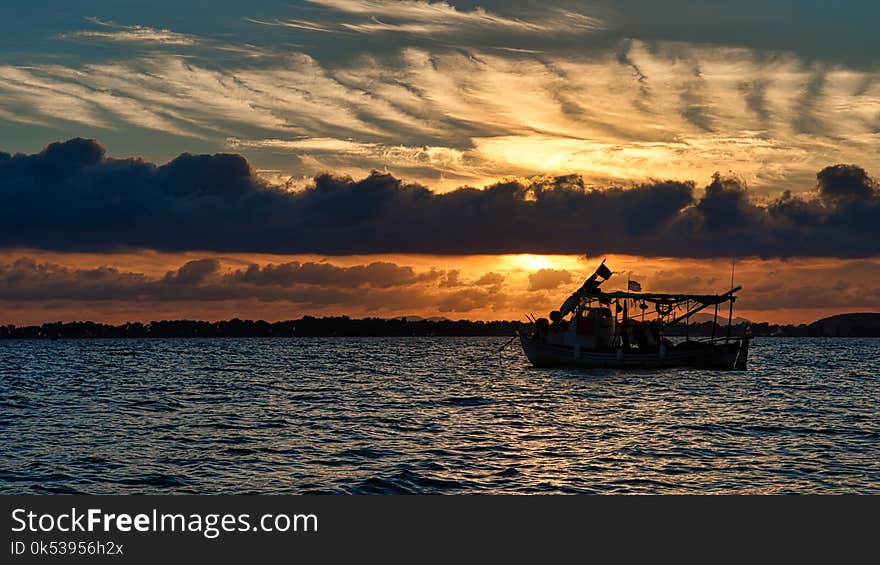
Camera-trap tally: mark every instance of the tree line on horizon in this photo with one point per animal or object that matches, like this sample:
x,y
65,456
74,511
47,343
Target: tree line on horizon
x,y
343,326
307,326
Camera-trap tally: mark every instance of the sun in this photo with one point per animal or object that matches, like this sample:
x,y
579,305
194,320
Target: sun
x,y
531,262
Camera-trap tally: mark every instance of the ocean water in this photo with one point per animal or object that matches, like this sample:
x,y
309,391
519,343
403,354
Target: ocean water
x,y
429,415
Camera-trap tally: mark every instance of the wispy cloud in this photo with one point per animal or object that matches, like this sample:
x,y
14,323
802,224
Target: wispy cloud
x,y
446,159
112,31
441,16
376,26
295,24
449,117
435,18
62,94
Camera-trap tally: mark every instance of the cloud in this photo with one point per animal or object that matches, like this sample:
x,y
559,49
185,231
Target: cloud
x,y
842,183
58,93
490,279
381,287
132,34
546,279
295,24
470,299
419,17
452,279
45,286
625,112
816,286
193,272
379,274
71,196
26,280
444,159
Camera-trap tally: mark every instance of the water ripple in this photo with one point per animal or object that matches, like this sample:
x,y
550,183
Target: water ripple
x,y
428,415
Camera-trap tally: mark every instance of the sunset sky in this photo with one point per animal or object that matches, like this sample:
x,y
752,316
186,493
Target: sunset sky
x,y
270,159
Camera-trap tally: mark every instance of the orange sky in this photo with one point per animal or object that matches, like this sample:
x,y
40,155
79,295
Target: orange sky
x,y
76,286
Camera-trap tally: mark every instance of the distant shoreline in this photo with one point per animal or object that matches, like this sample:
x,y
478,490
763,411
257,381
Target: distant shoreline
x,y
844,325
307,326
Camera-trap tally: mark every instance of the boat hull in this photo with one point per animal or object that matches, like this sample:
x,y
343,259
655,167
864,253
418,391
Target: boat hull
x,y
721,356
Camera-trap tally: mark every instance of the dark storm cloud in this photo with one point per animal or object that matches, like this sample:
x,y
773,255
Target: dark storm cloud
x,y
845,183
725,206
71,197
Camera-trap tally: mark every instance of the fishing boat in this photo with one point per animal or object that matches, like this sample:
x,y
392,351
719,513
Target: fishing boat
x,y
594,329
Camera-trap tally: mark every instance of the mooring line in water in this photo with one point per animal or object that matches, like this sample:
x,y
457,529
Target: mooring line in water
x,y
509,341
501,351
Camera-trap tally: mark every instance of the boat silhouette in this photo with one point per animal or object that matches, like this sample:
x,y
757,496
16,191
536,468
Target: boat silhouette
x,y
594,329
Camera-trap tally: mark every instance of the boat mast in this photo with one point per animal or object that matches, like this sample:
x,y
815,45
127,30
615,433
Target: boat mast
x,y
729,319
687,320
732,298
715,321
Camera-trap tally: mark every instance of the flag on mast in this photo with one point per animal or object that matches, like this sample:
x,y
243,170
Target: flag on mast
x,y
634,286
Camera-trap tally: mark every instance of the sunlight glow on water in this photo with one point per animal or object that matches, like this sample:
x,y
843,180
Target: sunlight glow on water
x,y
428,415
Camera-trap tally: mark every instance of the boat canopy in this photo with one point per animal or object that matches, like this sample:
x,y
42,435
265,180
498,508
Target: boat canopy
x,y
663,302
666,298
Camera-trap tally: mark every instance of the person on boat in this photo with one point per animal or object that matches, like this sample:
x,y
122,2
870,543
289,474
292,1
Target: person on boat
x,y
648,335
542,327
556,321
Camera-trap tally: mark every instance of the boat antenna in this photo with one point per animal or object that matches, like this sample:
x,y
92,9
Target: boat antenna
x,y
730,311
732,270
